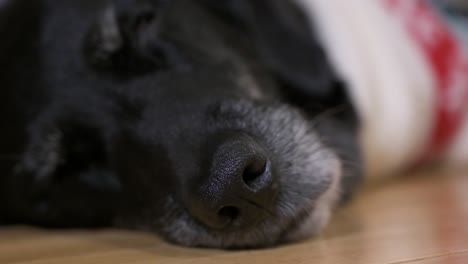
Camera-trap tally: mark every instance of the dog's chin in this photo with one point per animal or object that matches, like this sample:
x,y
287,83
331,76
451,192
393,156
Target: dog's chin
x,y
306,221
290,223
306,224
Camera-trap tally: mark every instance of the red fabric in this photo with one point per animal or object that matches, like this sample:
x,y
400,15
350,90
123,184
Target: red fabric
x,y
448,61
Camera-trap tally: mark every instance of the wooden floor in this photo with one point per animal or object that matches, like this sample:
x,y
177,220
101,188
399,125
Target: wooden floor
x,y
417,219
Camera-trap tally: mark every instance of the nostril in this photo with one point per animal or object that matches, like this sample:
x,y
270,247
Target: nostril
x,y
254,172
229,212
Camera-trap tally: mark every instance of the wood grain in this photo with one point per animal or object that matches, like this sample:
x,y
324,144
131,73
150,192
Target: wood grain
x,y
419,219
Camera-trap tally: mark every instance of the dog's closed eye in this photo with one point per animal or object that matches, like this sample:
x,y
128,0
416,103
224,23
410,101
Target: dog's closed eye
x,y
126,38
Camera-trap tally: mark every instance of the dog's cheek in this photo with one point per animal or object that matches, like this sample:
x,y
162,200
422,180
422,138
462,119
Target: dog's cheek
x,y
342,135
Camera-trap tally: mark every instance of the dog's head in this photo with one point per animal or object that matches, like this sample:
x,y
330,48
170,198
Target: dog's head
x,y
200,120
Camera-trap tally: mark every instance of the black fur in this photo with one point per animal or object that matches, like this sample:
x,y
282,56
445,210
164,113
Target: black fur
x,y
111,112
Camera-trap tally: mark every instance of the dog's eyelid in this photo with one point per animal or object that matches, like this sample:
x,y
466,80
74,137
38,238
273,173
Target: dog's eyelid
x,y
123,41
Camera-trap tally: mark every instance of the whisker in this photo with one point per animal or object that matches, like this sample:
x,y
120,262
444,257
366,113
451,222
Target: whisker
x,y
343,153
259,206
330,112
347,161
351,164
268,211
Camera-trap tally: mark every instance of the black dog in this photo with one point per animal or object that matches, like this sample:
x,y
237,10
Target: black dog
x,y
214,123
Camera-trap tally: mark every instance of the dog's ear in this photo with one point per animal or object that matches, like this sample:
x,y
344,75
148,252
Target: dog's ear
x,y
124,37
285,39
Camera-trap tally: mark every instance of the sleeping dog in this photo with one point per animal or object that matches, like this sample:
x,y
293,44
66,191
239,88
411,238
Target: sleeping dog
x,y
211,123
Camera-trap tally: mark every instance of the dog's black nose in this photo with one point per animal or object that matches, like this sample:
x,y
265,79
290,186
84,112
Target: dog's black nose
x,y
240,189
